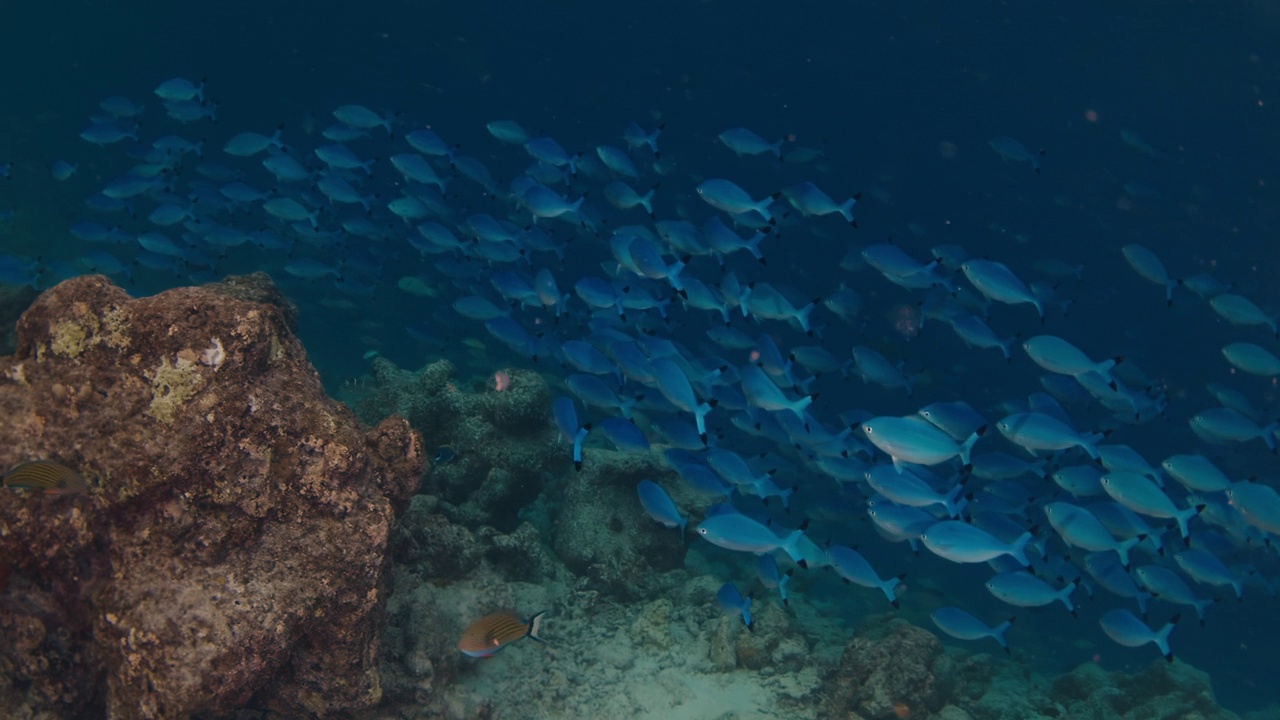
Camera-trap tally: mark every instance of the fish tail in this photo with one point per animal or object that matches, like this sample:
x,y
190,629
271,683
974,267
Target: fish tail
x,y
953,507
1088,444
1123,549
1201,606
889,588
535,626
1162,638
1065,596
799,406
998,632
846,209
1019,545
791,546
967,447
802,316
1185,516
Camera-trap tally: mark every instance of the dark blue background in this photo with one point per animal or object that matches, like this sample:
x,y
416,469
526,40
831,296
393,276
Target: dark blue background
x,y
881,86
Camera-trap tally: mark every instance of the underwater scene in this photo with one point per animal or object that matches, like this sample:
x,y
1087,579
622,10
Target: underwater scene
x,y
679,360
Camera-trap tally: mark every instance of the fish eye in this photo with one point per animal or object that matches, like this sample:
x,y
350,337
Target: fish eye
x,y
702,531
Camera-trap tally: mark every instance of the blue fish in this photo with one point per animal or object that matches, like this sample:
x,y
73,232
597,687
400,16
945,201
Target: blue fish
x,y
593,391
852,567
178,88
428,142
810,200
60,170
961,625
659,505
359,116
1080,528
741,533
724,195
732,602
1110,574
1126,629
745,142
769,575
248,144
674,384
566,416
508,131
624,434
964,543
1170,587
636,137
703,479
1026,590
625,197
761,392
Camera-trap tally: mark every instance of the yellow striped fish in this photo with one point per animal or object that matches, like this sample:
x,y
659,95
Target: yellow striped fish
x,y
47,475
495,631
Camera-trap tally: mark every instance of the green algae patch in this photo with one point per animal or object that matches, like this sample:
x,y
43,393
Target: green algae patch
x,y
172,385
68,338
71,338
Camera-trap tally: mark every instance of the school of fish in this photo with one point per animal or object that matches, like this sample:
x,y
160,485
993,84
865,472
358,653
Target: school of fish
x,y
672,308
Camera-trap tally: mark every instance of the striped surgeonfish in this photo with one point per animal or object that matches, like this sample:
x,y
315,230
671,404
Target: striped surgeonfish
x,y
47,475
494,631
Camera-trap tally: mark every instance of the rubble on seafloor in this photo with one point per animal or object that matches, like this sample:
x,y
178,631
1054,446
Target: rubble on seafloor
x,y
633,629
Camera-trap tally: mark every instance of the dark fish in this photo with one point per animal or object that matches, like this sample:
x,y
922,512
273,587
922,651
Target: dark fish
x,y
48,475
495,631
444,455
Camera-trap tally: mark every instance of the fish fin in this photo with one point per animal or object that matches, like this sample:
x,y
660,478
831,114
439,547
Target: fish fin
x,y
535,625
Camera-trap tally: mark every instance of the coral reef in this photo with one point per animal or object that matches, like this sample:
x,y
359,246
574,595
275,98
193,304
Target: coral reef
x,y
233,546
648,660
504,446
1161,691
891,669
603,534
888,666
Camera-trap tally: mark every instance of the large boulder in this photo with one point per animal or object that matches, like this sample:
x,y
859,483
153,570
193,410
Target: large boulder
x,y
232,546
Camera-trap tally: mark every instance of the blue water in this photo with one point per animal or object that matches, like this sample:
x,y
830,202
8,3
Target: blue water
x,y
902,97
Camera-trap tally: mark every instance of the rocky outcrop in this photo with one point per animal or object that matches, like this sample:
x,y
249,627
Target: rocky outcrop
x,y
232,547
1162,691
890,669
602,533
502,444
